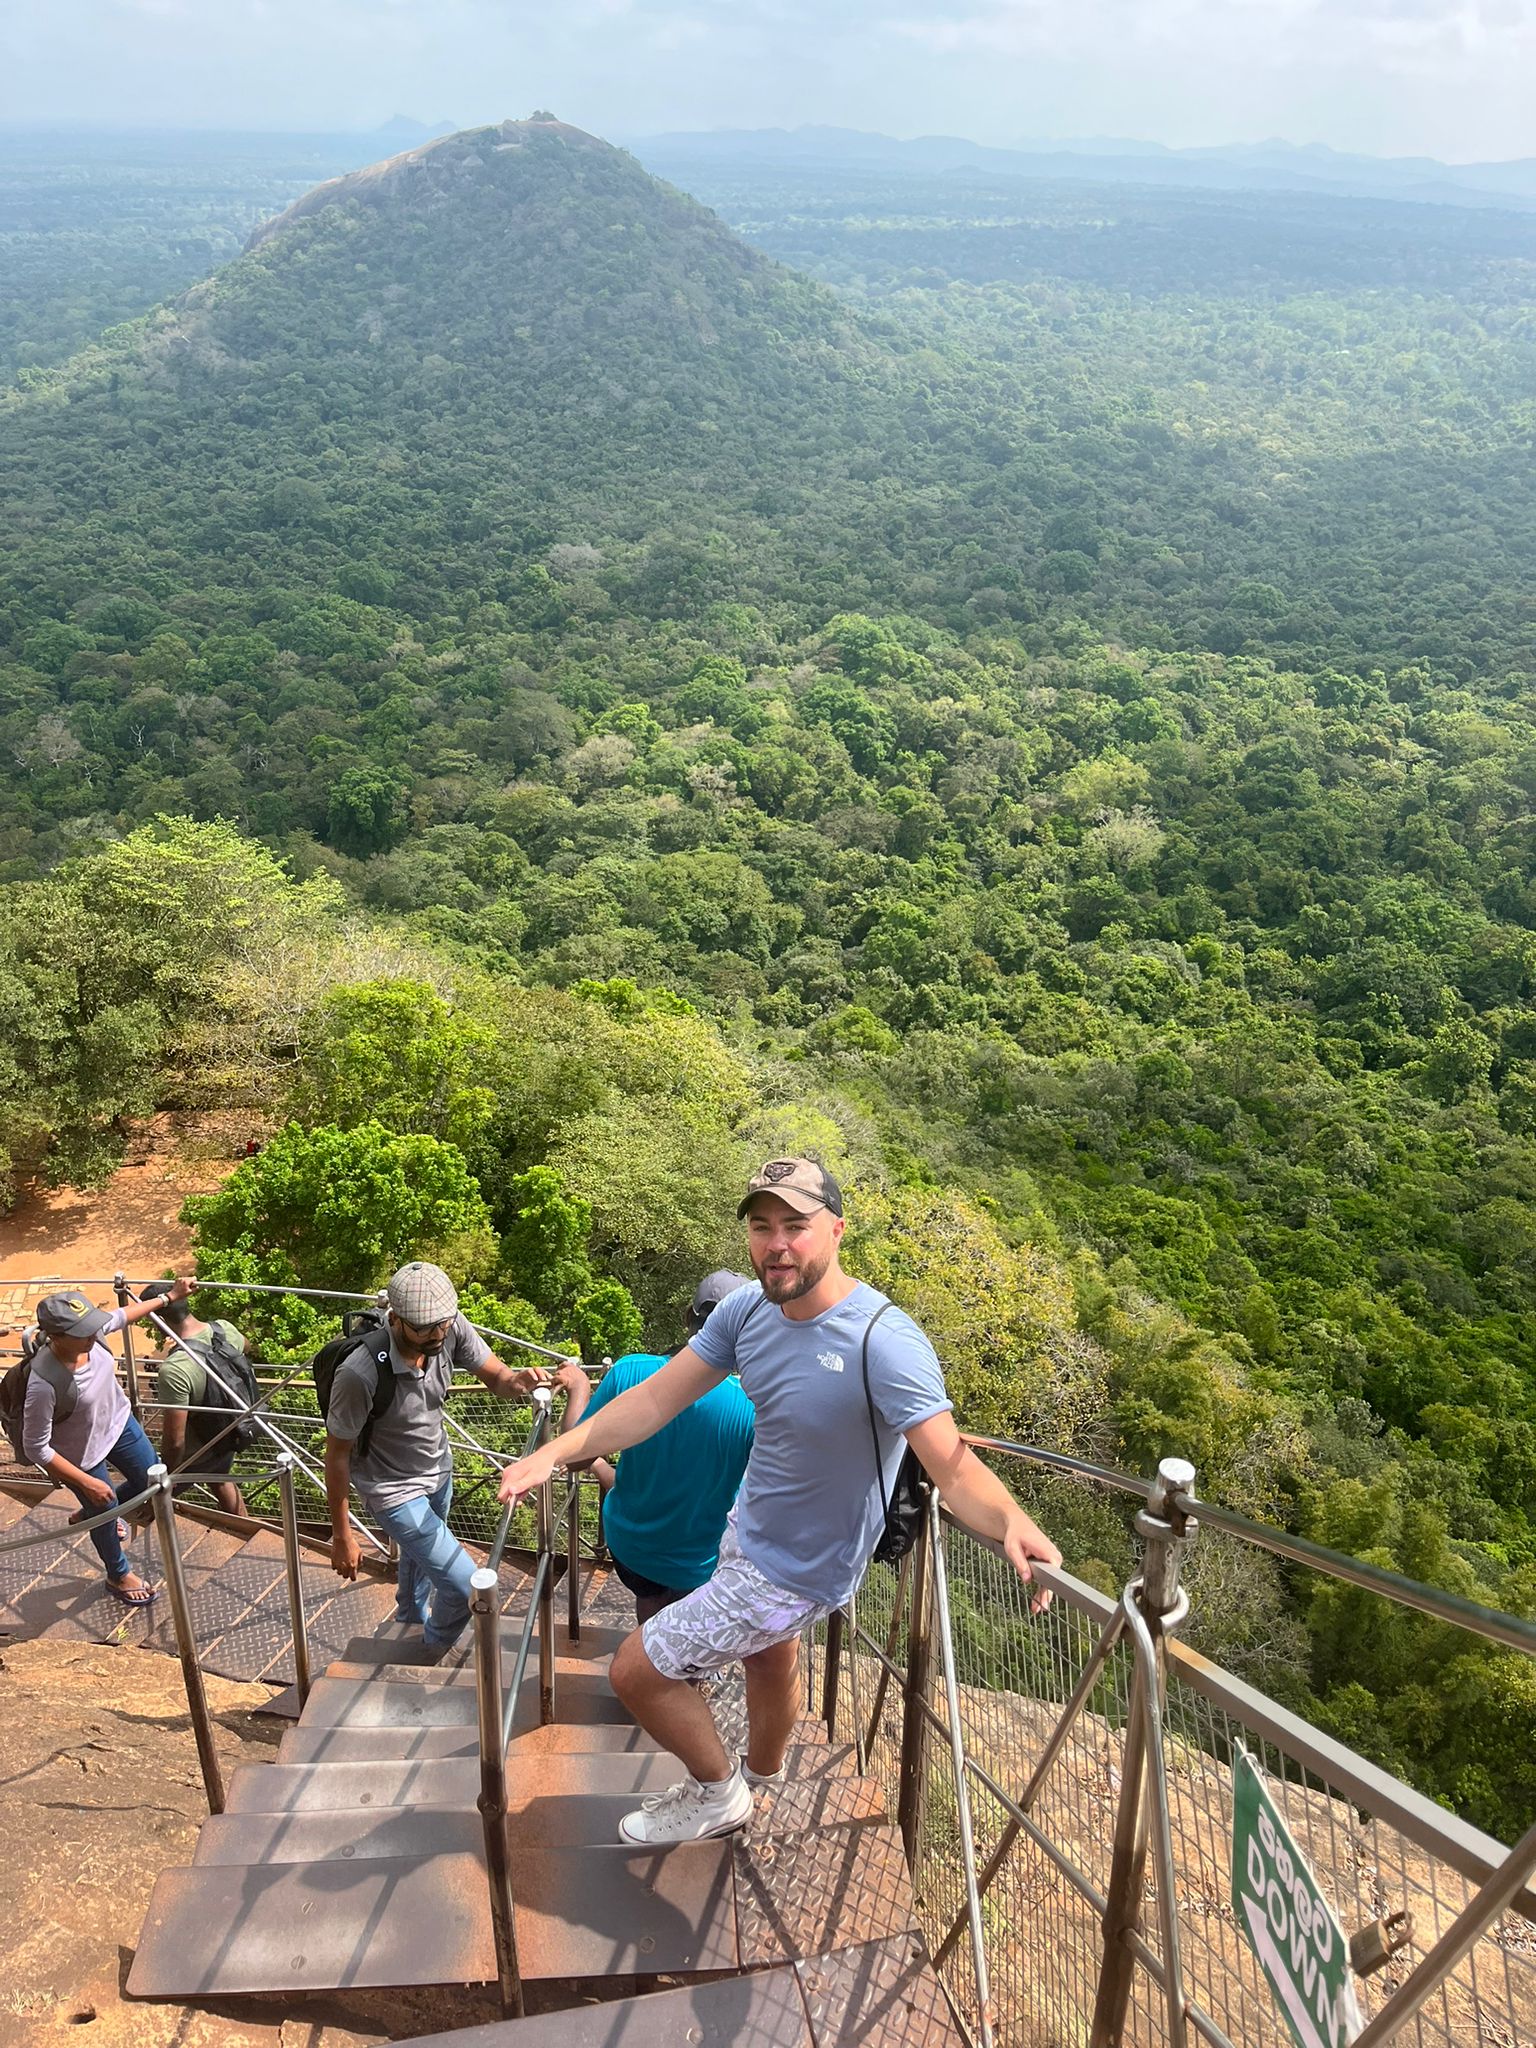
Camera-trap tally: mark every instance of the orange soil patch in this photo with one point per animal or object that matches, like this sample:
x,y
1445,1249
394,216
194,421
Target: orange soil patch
x,y
130,1225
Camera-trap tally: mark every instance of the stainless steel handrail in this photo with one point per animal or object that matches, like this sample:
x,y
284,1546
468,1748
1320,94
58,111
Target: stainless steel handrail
x,y
1487,1622
69,1530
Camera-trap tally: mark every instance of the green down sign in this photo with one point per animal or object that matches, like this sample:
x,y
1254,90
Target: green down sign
x,y
1299,1944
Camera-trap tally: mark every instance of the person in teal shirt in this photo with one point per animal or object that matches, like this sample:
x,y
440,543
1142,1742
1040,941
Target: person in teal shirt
x,y
665,1511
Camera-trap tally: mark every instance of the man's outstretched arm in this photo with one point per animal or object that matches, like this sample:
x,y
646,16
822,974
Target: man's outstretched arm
x,y
978,1498
615,1427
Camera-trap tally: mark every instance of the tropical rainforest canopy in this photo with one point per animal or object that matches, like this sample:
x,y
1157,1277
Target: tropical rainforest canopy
x,y
550,705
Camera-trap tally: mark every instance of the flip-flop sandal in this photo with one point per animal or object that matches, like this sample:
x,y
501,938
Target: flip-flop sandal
x,y
84,1515
139,1597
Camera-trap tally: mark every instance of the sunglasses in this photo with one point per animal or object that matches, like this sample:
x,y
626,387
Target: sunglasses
x,y
422,1340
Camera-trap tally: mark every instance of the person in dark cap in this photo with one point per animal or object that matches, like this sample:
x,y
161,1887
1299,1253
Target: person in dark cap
x,y
665,1509
390,1442
76,1422
843,1384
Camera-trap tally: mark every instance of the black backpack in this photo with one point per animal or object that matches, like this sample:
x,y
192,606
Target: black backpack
x,y
238,1390
13,1390
365,1333
906,1505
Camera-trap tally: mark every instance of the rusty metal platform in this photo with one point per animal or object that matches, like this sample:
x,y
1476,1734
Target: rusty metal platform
x,y
341,1788
261,1838
596,1912
215,1929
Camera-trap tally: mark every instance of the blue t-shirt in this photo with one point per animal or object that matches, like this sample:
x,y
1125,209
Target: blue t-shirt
x,y
810,1513
665,1514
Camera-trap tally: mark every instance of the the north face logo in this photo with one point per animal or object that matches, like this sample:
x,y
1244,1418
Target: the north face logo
x,y
832,1360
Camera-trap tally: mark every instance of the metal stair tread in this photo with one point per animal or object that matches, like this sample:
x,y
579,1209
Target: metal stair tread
x,y
355,1787
374,1703
326,1836
216,1929
599,1912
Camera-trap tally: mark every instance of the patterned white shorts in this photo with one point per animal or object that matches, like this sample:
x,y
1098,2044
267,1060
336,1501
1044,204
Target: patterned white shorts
x,y
732,1615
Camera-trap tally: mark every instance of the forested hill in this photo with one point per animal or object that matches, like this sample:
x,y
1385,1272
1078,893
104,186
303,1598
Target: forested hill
x,y
1056,735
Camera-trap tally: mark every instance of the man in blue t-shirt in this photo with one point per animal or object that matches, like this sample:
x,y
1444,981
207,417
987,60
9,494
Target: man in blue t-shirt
x,y
665,1511
824,1458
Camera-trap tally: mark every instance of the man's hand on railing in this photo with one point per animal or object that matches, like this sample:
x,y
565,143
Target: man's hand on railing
x,y
526,1475
1025,1544
346,1552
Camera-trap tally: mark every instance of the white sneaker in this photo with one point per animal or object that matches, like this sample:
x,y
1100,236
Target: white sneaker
x,y
689,1812
758,1780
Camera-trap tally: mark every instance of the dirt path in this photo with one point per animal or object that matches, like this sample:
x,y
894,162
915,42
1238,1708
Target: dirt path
x,y
101,1792
130,1225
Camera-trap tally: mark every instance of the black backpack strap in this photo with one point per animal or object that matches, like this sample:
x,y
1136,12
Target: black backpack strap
x,y
376,1345
874,1427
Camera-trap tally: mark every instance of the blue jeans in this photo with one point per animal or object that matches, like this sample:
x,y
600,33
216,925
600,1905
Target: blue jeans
x,y
432,1561
132,1454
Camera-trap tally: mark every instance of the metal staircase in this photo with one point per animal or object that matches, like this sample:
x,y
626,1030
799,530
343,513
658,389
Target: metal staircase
x,y
358,1859
1063,1785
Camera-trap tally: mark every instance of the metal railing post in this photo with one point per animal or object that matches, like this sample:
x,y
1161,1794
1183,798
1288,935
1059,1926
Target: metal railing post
x,y
1164,1529
909,1797
130,1363
299,1622
957,1767
832,1655
186,1642
546,1515
573,1561
485,1611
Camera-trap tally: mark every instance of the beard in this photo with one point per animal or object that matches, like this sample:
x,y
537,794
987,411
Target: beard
x,y
789,1283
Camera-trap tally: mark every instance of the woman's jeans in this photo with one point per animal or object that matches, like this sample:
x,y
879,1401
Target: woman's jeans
x,y
132,1454
432,1561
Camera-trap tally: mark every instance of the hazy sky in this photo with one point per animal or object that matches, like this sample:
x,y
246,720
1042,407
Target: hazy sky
x,y
1450,78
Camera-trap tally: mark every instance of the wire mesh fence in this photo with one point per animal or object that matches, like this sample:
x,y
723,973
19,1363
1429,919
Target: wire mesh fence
x,y
1375,1847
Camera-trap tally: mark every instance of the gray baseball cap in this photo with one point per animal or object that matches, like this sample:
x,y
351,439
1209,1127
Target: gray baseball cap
x,y
71,1315
710,1293
421,1295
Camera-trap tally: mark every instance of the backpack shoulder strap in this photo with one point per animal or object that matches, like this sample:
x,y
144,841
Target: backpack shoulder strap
x,y
869,1402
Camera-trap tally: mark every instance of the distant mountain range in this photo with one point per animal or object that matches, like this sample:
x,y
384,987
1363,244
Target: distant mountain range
x,y
1264,166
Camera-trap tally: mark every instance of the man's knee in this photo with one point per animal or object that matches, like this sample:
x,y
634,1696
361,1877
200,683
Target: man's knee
x,y
777,1662
632,1674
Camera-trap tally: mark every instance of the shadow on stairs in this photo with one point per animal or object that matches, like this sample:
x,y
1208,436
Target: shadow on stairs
x,y
357,1860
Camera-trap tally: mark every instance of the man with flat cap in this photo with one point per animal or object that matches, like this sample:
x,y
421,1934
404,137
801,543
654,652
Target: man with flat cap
x,y
665,1509
76,1422
384,1433
825,1457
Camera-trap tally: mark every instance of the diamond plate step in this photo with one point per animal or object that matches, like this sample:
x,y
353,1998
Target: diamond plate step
x,y
561,1802
880,1994
762,2011
337,1788
801,1895
409,1831
216,1929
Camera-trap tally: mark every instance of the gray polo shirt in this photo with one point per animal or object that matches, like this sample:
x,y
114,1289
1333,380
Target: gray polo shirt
x,y
408,1453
